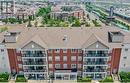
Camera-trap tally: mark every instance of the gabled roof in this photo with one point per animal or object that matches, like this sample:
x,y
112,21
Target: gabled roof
x,y
91,40
52,38
36,39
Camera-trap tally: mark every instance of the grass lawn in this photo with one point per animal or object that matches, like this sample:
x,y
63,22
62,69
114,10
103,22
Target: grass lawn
x,y
2,29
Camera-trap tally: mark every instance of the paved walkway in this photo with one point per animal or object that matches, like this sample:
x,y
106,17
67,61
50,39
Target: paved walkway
x,y
57,81
116,79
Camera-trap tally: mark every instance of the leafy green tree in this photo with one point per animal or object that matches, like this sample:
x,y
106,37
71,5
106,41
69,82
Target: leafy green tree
x,y
43,11
76,23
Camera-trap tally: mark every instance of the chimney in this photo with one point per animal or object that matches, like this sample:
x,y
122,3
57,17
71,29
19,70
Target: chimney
x,y
11,37
115,37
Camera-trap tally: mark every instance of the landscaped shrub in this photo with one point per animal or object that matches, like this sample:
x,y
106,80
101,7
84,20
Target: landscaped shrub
x,y
85,79
76,23
107,79
21,78
125,76
87,24
4,77
96,23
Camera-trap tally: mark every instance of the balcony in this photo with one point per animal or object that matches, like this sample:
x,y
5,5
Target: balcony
x,y
34,63
95,70
95,63
35,70
95,55
33,54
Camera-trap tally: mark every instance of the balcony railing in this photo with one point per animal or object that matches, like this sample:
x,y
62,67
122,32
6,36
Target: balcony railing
x,y
95,70
95,55
33,55
34,63
95,63
44,70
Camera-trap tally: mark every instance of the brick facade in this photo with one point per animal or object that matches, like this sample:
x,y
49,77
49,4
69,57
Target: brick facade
x,y
115,60
14,62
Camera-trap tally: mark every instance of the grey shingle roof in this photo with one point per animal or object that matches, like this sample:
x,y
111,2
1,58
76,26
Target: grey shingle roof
x,y
76,37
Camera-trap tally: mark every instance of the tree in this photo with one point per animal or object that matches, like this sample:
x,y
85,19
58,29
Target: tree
x,y
29,21
43,11
29,24
36,23
76,23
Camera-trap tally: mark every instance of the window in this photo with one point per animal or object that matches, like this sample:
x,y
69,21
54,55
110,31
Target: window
x,y
20,65
57,58
79,58
57,66
57,50
50,66
2,50
125,57
73,65
50,58
4,65
18,50
19,58
73,58
124,65
79,65
73,50
65,66
109,65
64,50
79,51
64,58
50,51
3,58
126,49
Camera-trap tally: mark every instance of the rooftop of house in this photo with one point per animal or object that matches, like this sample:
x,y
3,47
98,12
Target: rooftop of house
x,y
64,37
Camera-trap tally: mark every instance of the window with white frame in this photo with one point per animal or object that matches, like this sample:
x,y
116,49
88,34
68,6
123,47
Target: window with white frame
x,y
49,58
79,51
57,50
57,58
64,58
57,66
73,50
79,65
18,50
20,65
50,66
65,66
64,50
73,58
73,66
19,58
79,58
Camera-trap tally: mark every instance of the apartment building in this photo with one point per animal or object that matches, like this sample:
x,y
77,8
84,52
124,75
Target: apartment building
x,y
65,53
65,11
124,59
